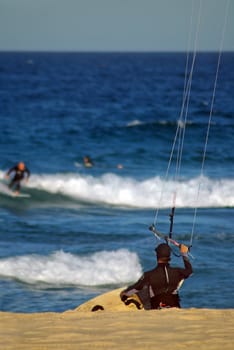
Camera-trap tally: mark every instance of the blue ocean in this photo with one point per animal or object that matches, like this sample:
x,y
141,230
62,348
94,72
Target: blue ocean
x,y
85,230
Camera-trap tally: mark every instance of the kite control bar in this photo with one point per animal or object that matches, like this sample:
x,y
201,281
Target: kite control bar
x,y
160,235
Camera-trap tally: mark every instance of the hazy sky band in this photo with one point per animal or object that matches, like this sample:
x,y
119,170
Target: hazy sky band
x,y
114,25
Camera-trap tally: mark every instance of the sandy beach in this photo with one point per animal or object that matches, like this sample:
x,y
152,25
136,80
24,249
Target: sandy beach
x,y
164,329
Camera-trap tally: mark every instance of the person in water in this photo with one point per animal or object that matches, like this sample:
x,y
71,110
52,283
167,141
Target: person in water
x,y
87,162
19,171
159,287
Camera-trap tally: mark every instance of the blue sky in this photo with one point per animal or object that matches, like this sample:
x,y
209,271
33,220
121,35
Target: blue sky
x,y
115,25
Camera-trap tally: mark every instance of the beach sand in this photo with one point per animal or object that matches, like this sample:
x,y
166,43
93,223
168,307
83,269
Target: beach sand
x,y
118,327
165,329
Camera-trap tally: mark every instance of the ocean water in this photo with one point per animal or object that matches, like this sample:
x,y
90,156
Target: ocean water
x,y
85,231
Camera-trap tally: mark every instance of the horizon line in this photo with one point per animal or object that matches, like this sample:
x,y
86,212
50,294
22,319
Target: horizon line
x,y
112,51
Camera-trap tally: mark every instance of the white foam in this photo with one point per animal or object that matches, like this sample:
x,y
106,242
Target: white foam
x,y
134,122
61,268
127,191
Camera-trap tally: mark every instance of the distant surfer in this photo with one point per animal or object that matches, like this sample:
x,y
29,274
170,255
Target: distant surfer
x,y
159,287
88,163
20,172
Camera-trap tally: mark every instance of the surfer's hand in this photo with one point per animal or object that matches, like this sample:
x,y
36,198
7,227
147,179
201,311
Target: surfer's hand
x,y
7,176
183,249
123,297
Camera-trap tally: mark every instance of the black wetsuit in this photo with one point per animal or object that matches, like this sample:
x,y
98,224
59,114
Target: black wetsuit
x,y
160,285
18,176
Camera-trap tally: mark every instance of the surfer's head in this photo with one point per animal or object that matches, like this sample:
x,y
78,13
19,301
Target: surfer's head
x,y
163,252
21,166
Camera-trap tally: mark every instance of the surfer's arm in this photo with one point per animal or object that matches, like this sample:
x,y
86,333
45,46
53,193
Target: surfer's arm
x,y
133,289
9,172
188,270
27,171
